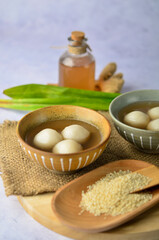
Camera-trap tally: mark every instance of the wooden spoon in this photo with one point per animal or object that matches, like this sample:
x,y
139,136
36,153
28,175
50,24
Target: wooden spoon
x,y
65,203
153,173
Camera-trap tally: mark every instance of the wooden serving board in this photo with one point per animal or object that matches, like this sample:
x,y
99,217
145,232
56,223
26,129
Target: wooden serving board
x,y
144,227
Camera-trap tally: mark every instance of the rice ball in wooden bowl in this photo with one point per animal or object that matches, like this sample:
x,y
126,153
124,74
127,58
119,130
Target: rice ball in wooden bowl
x,y
63,138
136,117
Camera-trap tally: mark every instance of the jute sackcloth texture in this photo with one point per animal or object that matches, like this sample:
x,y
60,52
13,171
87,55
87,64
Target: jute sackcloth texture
x,y
22,176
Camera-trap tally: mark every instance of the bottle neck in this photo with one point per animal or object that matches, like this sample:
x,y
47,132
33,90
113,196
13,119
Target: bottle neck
x,y
77,47
77,50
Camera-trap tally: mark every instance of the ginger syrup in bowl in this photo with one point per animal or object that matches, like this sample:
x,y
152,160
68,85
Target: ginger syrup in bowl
x,y
77,64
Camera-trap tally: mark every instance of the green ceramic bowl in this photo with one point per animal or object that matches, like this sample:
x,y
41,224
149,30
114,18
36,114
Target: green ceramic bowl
x,y
144,140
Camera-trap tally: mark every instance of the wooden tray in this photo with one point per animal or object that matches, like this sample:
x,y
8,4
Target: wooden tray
x,y
144,227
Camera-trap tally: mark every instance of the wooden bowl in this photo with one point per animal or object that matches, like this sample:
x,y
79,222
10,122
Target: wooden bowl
x,y
65,202
63,163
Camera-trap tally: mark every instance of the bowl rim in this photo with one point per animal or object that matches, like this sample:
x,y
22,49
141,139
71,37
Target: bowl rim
x,y
66,154
125,125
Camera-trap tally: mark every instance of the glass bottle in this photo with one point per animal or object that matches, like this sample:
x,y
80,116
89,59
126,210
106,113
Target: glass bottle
x,y
77,64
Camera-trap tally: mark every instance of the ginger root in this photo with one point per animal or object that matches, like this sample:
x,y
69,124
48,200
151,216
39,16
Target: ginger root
x,y
108,71
114,84
108,81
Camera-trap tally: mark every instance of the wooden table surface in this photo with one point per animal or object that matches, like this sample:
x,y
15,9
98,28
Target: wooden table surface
x,y
144,227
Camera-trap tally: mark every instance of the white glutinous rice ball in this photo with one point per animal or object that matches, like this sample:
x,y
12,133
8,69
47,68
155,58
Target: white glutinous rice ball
x,y
76,132
153,125
67,146
136,119
47,138
154,113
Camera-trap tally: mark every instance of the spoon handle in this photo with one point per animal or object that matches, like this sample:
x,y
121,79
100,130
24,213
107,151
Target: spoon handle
x,y
151,172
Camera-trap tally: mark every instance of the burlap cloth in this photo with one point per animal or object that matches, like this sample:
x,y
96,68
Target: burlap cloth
x,y
22,176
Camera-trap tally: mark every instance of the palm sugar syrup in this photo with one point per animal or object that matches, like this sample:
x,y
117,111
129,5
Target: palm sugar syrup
x,y
77,64
59,125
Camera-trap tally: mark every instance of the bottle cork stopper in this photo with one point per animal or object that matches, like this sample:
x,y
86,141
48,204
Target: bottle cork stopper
x,y
77,36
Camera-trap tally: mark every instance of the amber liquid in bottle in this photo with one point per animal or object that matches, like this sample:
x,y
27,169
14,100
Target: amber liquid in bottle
x,y
77,65
78,76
